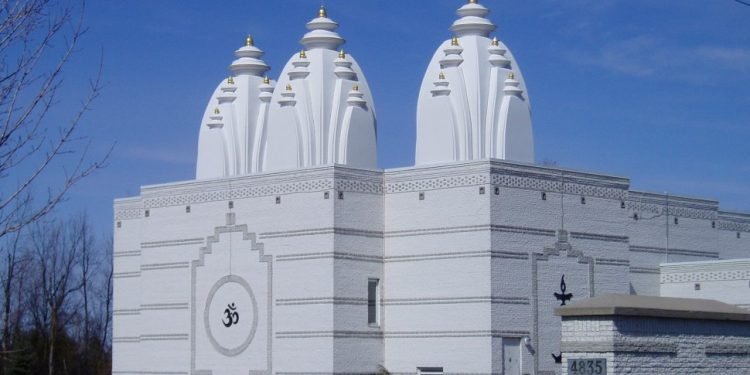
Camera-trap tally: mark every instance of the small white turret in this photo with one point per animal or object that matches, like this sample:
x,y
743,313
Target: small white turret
x,y
239,105
477,111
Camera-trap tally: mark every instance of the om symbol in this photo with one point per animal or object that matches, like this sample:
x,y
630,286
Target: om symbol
x,y
231,317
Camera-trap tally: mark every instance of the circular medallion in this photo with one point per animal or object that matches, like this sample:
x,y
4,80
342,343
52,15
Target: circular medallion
x,y
231,315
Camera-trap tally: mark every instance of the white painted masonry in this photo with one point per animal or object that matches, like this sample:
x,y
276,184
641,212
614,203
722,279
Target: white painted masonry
x,y
723,280
261,265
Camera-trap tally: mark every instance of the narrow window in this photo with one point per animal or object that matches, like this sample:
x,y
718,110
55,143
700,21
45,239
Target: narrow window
x,y
676,221
278,200
341,195
697,286
738,235
187,209
326,195
421,196
544,196
119,224
372,302
635,216
583,200
147,213
497,191
622,204
429,371
231,205
481,190
713,224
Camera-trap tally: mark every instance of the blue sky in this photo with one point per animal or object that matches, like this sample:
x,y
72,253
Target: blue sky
x,y
657,91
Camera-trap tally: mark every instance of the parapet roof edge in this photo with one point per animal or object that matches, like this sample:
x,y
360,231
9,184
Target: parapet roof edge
x,y
653,307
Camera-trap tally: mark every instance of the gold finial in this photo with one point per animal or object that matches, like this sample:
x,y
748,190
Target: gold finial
x,y
355,88
249,42
454,41
495,42
322,12
302,54
473,1
266,80
288,87
511,75
342,54
216,111
441,76
230,80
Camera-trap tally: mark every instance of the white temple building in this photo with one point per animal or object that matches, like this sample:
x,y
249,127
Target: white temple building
x,y
292,253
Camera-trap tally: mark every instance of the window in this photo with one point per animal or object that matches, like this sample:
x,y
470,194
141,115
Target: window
x,y
676,221
373,312
497,191
341,195
544,196
481,190
583,200
187,209
231,204
421,196
622,204
429,371
326,195
697,286
278,200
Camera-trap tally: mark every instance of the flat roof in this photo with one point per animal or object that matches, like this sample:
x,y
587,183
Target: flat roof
x,y
655,307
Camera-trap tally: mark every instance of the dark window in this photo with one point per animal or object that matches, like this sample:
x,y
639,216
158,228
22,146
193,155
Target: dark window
x,y
147,213
697,286
622,204
341,195
231,205
278,200
326,195
544,196
481,190
583,200
497,191
187,209
372,301
421,196
676,221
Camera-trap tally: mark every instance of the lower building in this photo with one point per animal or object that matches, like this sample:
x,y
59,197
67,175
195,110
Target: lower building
x,y
455,267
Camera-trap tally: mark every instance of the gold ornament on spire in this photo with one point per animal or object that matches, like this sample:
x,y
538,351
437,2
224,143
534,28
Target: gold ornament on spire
x,y
441,76
302,54
230,80
266,80
355,88
495,42
473,1
454,41
342,54
288,87
216,111
322,12
511,75
249,42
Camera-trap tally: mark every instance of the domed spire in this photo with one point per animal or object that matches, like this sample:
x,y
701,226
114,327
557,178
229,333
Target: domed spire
x,y
473,20
249,59
322,33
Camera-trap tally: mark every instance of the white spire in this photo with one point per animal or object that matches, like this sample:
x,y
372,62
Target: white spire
x,y
322,33
479,107
249,59
473,21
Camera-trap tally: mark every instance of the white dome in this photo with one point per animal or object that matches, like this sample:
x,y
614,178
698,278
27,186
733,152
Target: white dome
x,y
228,139
473,102
323,111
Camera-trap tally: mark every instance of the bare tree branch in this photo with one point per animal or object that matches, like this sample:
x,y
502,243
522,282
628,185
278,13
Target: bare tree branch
x,y
40,37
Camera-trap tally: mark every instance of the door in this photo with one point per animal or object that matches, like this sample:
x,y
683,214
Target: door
x,y
511,356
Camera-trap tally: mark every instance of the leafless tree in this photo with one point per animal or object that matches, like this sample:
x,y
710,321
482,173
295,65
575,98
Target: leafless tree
x,y
56,247
37,40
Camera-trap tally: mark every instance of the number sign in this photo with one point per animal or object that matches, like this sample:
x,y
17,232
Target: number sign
x,y
587,366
